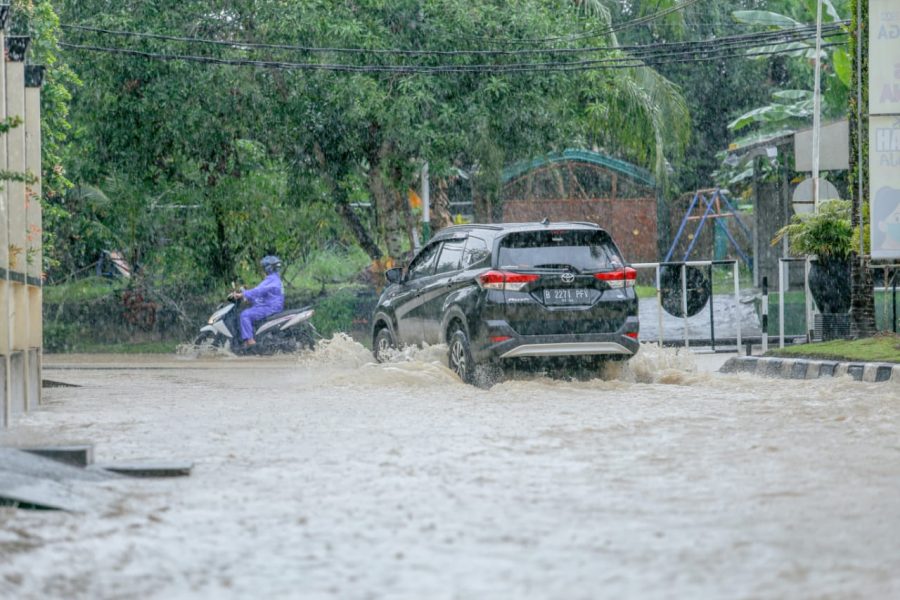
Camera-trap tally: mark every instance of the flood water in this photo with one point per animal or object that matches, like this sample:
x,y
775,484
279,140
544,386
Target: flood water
x,y
327,476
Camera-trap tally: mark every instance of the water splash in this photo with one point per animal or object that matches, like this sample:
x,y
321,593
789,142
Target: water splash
x,y
653,364
341,351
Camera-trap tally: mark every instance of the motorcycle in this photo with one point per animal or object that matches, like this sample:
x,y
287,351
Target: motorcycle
x,y
284,332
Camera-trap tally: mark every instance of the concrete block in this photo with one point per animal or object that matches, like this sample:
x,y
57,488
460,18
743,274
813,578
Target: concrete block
x,y
740,364
856,371
17,382
34,379
33,493
13,460
884,372
828,368
34,482
799,369
771,367
75,455
149,469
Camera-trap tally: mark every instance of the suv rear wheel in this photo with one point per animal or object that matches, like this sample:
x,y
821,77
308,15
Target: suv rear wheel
x,y
460,356
384,343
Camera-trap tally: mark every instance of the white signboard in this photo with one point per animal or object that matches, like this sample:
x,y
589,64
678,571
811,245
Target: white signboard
x,y
884,173
884,57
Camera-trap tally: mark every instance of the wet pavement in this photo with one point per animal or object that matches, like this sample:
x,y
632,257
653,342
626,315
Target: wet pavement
x,y
330,477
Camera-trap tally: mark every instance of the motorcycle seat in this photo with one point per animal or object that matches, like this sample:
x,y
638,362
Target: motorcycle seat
x,y
285,313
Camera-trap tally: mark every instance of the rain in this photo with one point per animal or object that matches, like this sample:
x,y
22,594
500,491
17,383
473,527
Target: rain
x,y
449,299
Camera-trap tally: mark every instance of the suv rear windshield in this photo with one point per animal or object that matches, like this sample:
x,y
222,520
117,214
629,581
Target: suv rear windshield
x,y
578,250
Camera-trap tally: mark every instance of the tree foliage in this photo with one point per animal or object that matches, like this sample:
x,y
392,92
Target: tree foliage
x,y
216,165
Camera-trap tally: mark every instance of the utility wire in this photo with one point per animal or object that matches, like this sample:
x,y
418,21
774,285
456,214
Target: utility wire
x,y
585,65
596,32
803,32
244,44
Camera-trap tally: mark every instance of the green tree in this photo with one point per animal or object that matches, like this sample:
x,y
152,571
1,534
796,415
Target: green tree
x,y
335,139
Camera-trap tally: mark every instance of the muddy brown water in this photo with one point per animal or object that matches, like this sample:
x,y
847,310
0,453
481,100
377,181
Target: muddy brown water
x,y
326,476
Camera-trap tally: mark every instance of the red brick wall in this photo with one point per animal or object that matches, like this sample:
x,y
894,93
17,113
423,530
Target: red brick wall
x,y
632,222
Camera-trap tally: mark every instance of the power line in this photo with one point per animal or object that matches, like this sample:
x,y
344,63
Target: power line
x,y
803,32
584,65
596,32
494,40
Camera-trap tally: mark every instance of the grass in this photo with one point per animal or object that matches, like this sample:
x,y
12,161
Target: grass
x,y
884,347
82,290
89,347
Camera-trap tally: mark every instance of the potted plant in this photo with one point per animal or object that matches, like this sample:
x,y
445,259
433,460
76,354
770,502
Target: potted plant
x,y
827,235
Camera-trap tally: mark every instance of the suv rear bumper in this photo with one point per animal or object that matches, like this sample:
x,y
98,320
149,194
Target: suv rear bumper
x,y
501,342
566,349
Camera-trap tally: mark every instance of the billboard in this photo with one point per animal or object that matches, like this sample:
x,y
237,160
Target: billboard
x,y
884,128
884,57
884,173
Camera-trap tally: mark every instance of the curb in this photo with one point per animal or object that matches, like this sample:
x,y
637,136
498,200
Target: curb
x,y
803,368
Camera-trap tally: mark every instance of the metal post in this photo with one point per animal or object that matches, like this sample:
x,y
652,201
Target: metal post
x,y
860,129
687,343
894,301
659,306
737,302
712,312
426,205
34,79
807,299
781,303
817,106
765,315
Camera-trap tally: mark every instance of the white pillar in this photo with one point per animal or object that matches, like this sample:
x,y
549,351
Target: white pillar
x,y
34,78
5,385
16,46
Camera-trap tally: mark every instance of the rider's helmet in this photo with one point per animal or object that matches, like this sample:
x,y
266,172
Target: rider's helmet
x,y
270,264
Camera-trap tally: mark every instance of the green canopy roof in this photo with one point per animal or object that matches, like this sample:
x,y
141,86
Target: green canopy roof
x,y
585,156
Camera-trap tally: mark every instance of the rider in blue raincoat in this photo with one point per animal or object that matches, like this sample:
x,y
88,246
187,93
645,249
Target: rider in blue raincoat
x,y
267,298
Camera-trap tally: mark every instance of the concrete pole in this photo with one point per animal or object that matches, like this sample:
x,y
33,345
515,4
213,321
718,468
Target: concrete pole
x,y
16,47
426,204
817,107
5,387
34,78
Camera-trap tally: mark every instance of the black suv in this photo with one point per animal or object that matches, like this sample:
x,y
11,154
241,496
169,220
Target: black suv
x,y
518,292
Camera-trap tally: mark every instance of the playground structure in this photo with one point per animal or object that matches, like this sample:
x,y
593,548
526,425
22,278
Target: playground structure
x,y
712,212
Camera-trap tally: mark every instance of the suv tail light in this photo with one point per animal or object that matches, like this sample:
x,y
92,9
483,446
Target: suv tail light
x,y
618,279
503,280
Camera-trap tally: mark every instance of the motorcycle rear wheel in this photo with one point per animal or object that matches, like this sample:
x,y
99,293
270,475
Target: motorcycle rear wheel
x,y
207,340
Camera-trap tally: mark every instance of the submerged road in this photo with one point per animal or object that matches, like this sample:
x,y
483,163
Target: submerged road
x,y
331,477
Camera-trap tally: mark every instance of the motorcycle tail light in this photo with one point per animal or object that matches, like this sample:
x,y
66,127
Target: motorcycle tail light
x,y
620,278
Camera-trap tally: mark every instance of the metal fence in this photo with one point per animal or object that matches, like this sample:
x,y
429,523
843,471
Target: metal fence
x,y
683,266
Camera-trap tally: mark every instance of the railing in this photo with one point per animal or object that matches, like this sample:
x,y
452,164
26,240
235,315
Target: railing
x,y
658,266
807,296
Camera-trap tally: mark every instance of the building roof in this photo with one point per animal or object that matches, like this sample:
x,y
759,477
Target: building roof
x,y
584,156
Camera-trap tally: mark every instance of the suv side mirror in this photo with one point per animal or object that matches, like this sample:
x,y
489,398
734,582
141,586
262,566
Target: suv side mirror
x,y
394,275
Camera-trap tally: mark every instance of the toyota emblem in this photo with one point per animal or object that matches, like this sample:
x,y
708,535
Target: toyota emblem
x,y
568,277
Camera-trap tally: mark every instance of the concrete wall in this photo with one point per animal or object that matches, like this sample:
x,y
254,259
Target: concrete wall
x,y
20,233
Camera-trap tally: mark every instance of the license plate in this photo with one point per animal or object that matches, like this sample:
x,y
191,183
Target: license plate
x,y
567,296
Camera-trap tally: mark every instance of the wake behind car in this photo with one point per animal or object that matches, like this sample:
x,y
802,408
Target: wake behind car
x,y
501,294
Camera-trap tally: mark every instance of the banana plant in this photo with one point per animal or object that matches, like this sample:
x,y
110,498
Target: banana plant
x,y
792,108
